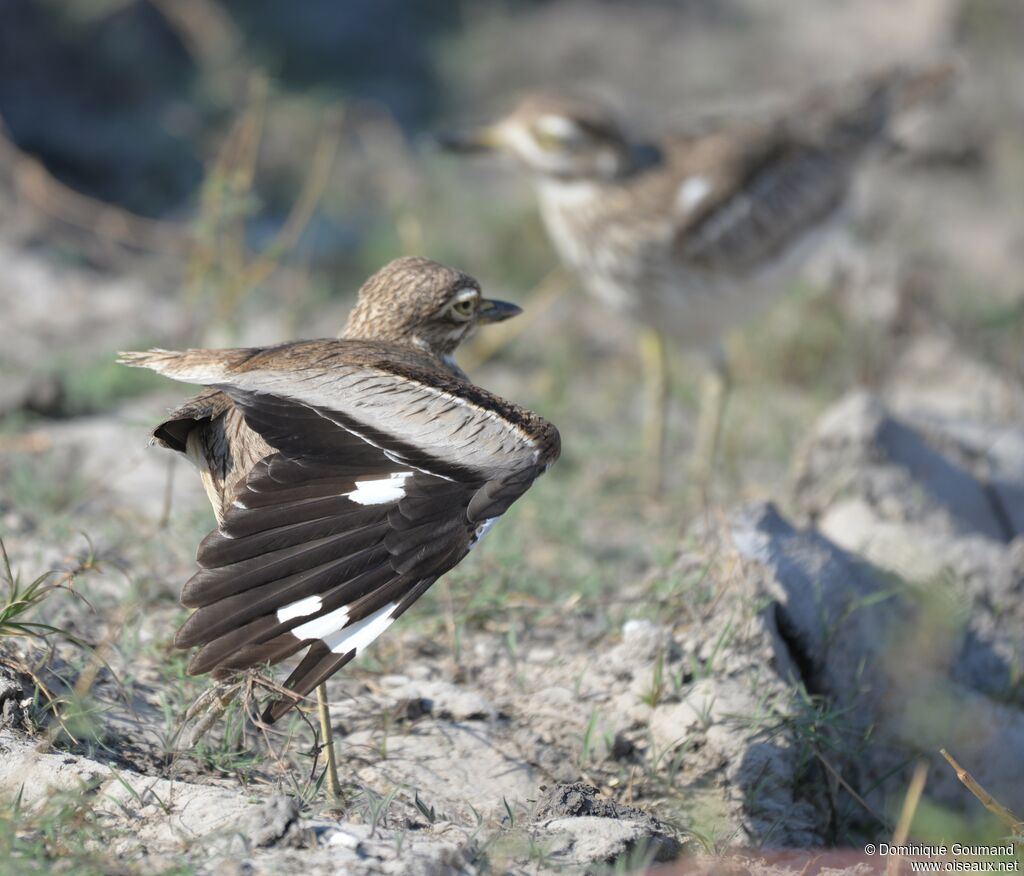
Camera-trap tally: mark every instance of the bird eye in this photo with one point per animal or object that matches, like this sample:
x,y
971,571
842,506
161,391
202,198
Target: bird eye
x,y
547,141
463,310
554,132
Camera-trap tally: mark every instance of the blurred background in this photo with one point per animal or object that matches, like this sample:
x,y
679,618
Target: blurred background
x,y
227,172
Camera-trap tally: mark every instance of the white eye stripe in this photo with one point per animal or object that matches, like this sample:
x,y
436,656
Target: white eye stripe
x,y
467,294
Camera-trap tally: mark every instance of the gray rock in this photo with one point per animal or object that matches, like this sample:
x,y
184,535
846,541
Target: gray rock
x,y
859,448
272,821
588,839
16,698
870,646
598,830
441,699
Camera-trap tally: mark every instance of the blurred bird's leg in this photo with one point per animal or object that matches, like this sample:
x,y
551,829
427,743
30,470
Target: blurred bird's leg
x,y
654,353
714,394
327,733
544,295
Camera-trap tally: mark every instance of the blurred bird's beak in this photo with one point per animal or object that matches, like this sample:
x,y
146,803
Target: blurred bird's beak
x,y
496,311
478,140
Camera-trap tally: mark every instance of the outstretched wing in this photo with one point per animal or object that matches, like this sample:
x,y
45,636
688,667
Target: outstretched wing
x,y
379,484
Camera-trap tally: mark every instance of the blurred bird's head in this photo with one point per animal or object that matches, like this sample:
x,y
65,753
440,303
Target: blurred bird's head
x,y
424,304
555,137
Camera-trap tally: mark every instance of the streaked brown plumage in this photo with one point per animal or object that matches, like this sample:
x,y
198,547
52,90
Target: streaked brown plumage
x,y
680,231
347,475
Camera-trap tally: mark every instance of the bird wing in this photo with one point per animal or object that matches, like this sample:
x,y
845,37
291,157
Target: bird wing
x,y
746,195
173,432
379,483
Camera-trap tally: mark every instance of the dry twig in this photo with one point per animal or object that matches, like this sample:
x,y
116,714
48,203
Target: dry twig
x,y
984,797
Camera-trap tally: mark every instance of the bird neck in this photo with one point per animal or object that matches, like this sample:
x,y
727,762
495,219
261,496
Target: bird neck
x,y
569,193
443,359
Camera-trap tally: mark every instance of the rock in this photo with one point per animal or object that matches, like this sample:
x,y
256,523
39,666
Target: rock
x,y
272,821
873,649
16,699
598,830
578,798
443,700
591,840
455,767
859,448
643,641
718,729
936,380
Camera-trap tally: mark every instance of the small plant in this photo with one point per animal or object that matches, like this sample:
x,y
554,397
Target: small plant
x,y
586,749
378,808
15,607
23,598
653,695
428,812
511,813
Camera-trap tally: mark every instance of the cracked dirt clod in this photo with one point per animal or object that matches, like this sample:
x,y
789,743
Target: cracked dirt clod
x,y
16,698
273,822
602,830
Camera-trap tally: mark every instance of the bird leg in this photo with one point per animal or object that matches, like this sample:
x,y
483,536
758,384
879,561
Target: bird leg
x,y
327,732
654,352
716,384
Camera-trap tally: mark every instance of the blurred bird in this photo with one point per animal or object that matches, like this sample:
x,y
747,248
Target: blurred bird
x,y
346,474
691,233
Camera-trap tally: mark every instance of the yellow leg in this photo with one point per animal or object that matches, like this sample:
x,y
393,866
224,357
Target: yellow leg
x,y
656,391
714,394
328,737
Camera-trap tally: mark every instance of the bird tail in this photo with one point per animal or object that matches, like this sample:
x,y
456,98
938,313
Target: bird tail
x,y
189,366
865,115
910,87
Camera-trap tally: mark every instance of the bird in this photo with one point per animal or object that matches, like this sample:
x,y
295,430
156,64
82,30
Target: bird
x,y
691,233
346,474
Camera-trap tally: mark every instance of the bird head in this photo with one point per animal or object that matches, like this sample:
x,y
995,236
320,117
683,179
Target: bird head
x,y
424,304
553,136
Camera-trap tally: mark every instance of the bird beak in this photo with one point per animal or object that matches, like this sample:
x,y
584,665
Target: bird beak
x,y
478,140
496,311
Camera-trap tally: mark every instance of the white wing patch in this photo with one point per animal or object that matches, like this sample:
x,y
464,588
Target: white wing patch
x,y
309,605
380,490
324,626
361,633
692,192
